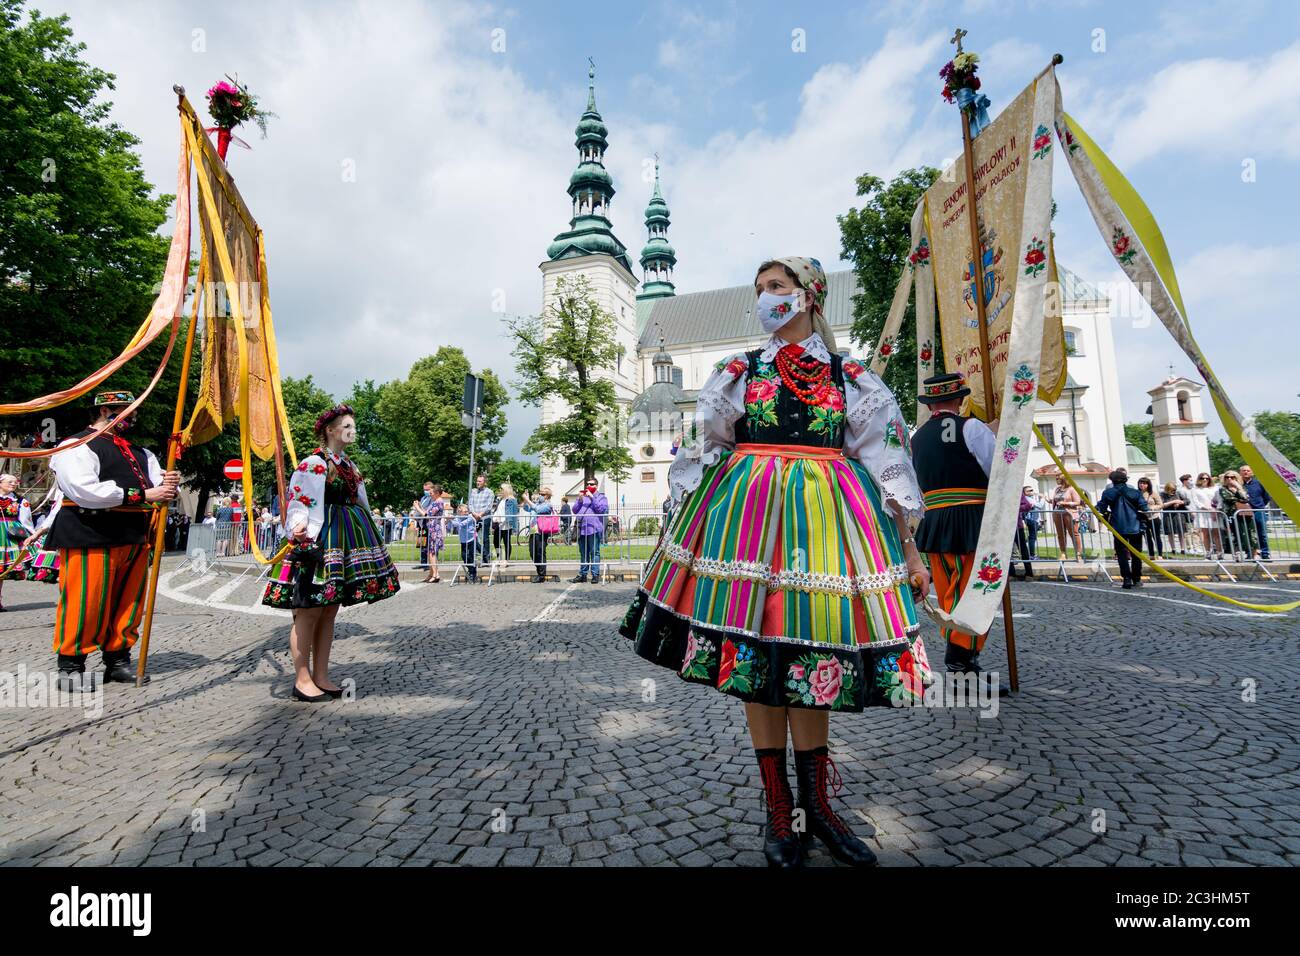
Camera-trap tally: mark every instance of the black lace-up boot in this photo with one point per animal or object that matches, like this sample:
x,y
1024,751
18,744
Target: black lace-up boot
x,y
817,773
780,843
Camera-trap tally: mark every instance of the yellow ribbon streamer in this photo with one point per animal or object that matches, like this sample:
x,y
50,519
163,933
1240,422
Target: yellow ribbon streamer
x,y
1120,539
1148,233
237,315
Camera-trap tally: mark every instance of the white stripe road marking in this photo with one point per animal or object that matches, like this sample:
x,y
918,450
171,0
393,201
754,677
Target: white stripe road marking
x,y
545,613
165,589
189,584
1156,597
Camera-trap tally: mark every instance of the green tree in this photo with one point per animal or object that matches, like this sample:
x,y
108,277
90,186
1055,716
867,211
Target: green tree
x,y
560,355
1223,457
522,475
424,412
1282,429
202,465
304,400
378,451
877,240
80,254
1141,435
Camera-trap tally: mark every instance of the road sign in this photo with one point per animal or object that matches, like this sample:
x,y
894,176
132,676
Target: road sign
x,y
234,469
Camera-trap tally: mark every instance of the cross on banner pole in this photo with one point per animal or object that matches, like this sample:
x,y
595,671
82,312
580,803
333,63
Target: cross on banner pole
x,y
986,367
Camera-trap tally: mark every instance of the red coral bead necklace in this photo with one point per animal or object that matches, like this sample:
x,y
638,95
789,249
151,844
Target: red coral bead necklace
x,y
795,366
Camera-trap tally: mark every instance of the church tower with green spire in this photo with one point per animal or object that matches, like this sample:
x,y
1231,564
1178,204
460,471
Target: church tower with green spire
x,y
589,248
591,189
658,257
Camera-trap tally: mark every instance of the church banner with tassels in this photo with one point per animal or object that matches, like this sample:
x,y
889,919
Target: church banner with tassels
x,y
1003,154
240,376
1030,334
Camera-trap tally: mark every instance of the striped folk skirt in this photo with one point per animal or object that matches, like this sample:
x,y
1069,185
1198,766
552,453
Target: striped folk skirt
x,y
42,565
782,581
13,558
351,567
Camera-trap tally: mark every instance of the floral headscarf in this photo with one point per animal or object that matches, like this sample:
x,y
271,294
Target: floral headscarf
x,y
811,276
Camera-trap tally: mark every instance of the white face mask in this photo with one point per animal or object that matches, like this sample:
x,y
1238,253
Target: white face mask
x,y
774,311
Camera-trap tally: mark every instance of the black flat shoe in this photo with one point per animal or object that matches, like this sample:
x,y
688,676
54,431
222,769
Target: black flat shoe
x,y
333,694
308,698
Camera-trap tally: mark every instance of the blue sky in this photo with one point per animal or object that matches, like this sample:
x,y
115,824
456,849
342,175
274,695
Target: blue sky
x,y
462,152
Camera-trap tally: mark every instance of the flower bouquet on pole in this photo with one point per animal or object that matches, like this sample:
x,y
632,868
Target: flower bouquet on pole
x,y
961,86
233,105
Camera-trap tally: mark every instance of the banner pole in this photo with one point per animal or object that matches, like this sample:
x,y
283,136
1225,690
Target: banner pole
x,y
173,452
986,367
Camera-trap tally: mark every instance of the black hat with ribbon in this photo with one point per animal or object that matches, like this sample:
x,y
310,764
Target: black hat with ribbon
x,y
943,388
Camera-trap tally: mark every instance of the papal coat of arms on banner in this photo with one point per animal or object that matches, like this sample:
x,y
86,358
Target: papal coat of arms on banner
x,y
991,261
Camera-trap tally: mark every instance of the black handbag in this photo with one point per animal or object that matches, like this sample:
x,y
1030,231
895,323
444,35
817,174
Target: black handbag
x,y
307,556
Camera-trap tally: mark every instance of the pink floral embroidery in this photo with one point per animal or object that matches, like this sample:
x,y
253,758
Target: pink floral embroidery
x,y
825,681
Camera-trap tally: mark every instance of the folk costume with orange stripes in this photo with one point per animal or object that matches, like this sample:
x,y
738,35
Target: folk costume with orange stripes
x,y
952,455
101,534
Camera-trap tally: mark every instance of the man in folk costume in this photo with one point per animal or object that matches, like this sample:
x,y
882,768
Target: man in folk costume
x,y
110,487
953,455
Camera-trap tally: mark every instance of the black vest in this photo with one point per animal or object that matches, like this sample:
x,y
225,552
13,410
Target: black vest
x,y
942,460
791,421
76,527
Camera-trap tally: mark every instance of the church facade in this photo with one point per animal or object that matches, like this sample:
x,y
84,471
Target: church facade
x,y
669,343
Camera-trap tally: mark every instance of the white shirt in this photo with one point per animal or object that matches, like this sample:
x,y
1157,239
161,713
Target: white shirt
x,y
982,441
77,470
871,413
307,494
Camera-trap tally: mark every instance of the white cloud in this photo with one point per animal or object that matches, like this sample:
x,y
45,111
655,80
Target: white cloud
x,y
460,169
741,197
1233,300
1239,108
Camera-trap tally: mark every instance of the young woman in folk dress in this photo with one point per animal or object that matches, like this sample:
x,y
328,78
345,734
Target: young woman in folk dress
x,y
15,526
785,577
339,558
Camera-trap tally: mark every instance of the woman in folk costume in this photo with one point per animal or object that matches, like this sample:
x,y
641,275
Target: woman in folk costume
x,y
43,565
15,526
338,556
783,578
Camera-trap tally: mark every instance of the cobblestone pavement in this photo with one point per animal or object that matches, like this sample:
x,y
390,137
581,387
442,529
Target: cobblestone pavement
x,y
506,725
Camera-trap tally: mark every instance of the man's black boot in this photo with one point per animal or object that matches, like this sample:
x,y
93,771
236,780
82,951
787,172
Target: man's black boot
x,y
957,659
118,669
72,673
1003,689
816,772
781,844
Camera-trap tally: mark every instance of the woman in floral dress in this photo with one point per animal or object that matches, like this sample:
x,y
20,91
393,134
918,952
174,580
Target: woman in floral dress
x,y
783,578
15,526
338,556
435,528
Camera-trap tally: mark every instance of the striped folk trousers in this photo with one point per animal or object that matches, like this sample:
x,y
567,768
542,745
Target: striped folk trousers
x,y
950,573
101,597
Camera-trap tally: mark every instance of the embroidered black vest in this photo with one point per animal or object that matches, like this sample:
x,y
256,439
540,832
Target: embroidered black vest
x,y
942,460
76,527
341,484
774,415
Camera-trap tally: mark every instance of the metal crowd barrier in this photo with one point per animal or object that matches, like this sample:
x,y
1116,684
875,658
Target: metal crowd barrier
x,y
628,538
1178,536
